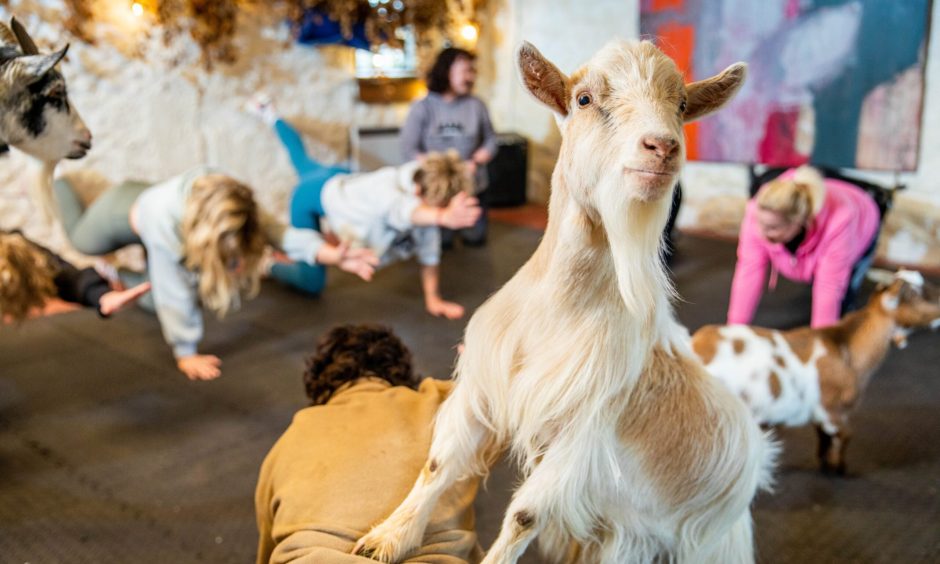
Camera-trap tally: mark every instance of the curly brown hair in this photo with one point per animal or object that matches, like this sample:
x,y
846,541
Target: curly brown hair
x,y
26,276
350,352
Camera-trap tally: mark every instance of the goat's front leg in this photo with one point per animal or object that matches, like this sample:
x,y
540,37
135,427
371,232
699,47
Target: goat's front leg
x,y
457,441
525,517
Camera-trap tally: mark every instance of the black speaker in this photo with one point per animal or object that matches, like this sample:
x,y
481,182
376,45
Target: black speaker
x,y
507,171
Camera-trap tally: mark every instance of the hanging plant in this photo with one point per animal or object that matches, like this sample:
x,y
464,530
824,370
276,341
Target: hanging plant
x,y
212,24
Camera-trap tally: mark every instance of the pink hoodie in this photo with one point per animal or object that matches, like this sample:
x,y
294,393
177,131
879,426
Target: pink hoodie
x,y
835,239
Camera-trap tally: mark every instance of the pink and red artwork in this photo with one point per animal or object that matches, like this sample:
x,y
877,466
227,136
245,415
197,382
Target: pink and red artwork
x,y
831,82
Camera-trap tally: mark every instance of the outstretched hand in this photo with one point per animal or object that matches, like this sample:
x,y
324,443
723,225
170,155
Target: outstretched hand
x,y
200,366
360,261
462,211
116,300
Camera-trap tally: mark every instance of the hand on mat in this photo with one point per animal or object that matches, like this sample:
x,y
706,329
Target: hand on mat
x,y
361,262
200,366
462,211
116,300
442,308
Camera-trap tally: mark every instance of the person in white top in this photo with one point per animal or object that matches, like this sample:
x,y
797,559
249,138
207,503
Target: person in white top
x,y
394,211
204,235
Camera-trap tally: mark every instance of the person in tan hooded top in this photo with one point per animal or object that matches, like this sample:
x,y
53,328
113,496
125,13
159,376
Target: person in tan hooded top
x,y
347,461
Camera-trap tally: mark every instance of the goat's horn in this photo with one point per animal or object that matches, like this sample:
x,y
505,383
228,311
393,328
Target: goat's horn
x,y
6,36
26,42
30,68
880,275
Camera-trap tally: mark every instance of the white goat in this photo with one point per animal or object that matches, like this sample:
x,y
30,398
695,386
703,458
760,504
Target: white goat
x,y
630,451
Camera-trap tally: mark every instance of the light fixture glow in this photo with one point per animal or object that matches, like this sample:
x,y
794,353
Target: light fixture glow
x,y
137,9
469,32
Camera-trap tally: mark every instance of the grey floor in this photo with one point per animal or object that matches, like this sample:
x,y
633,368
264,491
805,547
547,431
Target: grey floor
x,y
107,454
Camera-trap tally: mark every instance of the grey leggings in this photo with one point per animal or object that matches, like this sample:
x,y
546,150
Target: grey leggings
x,y
104,226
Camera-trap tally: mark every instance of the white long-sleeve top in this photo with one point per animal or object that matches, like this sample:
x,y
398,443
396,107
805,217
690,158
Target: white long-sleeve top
x,y
374,209
175,288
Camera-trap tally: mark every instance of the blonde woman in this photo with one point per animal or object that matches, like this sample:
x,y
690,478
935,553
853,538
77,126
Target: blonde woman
x,y
32,277
204,235
809,229
395,211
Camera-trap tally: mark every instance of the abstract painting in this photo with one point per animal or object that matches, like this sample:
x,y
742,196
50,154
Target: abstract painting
x,y
830,82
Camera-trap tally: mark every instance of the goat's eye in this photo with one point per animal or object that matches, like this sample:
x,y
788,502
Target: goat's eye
x,y
584,99
682,106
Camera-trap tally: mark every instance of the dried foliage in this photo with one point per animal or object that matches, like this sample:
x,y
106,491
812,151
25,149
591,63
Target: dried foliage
x,y
214,23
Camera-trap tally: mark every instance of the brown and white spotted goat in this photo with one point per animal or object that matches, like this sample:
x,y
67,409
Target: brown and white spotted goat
x,y
817,376
35,114
631,452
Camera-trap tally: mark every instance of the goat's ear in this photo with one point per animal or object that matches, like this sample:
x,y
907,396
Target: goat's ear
x,y
29,69
543,79
26,42
880,276
706,96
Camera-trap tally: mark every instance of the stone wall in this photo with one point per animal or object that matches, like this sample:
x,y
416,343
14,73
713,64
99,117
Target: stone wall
x,y
155,110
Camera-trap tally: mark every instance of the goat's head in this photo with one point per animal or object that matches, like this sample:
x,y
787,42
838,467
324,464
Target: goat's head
x,y
621,118
35,114
907,298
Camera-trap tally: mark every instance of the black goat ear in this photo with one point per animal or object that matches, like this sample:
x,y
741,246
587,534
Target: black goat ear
x,y
22,36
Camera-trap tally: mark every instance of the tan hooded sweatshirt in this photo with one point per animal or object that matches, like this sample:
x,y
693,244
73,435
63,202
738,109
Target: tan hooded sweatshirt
x,y
342,467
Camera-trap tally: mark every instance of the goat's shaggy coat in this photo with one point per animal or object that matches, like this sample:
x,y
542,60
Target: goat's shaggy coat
x,y
630,451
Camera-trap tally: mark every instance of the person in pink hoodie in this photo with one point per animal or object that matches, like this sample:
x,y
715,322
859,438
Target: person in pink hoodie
x,y
809,229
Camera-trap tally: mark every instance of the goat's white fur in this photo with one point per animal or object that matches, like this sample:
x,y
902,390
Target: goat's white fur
x,y
557,365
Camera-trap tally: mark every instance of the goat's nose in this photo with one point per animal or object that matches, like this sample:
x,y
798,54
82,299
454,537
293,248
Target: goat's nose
x,y
664,146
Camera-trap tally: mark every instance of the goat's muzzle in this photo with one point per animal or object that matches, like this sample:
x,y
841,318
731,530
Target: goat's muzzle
x,y
652,181
80,149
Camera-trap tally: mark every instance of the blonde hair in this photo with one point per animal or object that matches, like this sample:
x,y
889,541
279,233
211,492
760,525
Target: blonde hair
x,y
26,276
222,233
441,177
797,198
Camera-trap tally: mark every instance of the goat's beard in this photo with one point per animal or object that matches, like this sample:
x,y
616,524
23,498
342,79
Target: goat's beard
x,y
635,229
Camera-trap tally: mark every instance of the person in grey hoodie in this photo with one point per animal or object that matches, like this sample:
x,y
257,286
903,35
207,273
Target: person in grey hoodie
x,y
204,236
451,117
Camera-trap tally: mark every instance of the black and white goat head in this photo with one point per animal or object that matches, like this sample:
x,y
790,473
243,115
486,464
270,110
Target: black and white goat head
x,y
35,114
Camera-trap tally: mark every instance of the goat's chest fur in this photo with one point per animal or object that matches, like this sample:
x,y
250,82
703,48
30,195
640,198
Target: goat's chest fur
x,y
557,369
779,380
